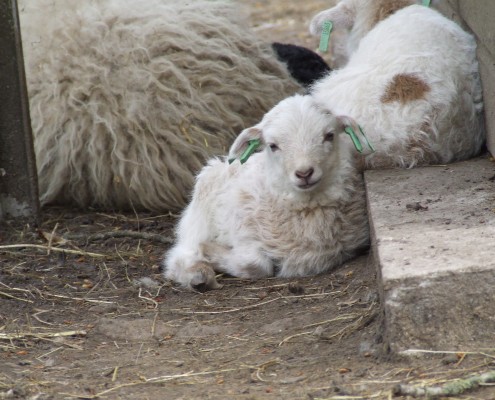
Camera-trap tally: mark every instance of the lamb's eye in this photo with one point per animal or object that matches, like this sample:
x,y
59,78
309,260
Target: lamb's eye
x,y
328,137
273,147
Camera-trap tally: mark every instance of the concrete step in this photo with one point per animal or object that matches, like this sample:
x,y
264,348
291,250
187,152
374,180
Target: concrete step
x,y
433,239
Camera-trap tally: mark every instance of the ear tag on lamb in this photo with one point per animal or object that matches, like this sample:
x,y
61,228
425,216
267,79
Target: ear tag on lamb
x,y
253,144
325,36
426,3
355,140
370,146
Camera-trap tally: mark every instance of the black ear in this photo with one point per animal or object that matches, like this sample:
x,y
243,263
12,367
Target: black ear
x,y
304,65
242,141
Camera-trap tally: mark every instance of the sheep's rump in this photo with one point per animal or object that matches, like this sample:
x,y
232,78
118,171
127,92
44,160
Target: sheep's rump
x,y
129,98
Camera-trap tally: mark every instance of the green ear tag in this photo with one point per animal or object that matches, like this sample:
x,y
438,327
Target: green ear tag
x,y
370,146
354,138
426,3
252,146
325,36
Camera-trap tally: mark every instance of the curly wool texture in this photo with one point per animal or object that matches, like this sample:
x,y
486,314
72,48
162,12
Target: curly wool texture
x,y
128,99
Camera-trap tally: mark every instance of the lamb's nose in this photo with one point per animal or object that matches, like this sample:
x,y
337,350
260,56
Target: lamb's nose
x,y
305,174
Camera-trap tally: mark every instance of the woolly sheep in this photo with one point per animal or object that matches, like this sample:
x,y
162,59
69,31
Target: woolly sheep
x,y
413,86
295,208
352,20
129,98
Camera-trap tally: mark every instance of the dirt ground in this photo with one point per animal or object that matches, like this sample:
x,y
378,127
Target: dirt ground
x,y
85,313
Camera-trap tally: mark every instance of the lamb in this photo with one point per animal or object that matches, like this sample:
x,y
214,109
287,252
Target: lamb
x,y
352,20
129,98
295,208
413,86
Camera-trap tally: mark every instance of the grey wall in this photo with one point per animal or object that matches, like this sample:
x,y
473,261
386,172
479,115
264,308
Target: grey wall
x,y
478,16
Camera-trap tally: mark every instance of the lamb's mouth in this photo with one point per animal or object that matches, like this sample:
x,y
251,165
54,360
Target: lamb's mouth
x,y
308,185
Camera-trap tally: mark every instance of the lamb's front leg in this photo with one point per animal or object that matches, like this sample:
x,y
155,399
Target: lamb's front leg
x,y
190,269
185,262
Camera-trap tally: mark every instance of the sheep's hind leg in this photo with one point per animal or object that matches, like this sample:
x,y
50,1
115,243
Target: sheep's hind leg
x,y
247,262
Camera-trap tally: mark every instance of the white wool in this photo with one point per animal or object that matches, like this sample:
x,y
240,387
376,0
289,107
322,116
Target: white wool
x,y
445,124
129,98
295,208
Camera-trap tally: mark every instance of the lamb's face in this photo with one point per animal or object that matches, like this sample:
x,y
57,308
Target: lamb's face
x,y
301,147
301,144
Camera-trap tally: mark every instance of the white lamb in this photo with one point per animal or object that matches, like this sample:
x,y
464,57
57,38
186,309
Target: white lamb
x,y
413,86
296,208
352,20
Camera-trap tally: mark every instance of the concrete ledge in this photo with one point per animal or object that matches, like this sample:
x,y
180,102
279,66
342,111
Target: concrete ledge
x,y
433,237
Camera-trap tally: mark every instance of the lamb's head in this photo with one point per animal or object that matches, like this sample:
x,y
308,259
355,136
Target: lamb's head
x,y
300,147
341,15
351,21
346,14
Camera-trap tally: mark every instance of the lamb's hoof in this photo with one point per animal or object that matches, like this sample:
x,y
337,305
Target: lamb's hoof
x,y
203,278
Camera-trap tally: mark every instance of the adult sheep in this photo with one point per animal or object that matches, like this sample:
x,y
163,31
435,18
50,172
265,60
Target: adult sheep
x,y
129,98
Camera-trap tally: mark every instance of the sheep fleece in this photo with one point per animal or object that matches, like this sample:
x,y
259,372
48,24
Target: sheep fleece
x,y
440,120
129,98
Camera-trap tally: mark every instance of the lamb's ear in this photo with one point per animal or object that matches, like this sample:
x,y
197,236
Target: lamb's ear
x,y
342,17
345,121
356,134
242,141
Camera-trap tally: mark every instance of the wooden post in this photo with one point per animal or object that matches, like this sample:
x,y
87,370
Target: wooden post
x,y
18,178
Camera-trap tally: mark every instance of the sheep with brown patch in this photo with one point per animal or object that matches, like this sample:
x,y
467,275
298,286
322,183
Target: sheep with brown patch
x,y
413,85
129,98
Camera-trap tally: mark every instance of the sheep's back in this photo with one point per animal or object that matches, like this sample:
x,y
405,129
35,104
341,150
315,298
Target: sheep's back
x,y
128,99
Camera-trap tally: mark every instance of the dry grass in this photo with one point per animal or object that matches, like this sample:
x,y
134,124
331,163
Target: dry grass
x,y
45,337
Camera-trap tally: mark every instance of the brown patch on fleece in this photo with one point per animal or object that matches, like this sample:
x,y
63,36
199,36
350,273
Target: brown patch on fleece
x,y
405,88
385,8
